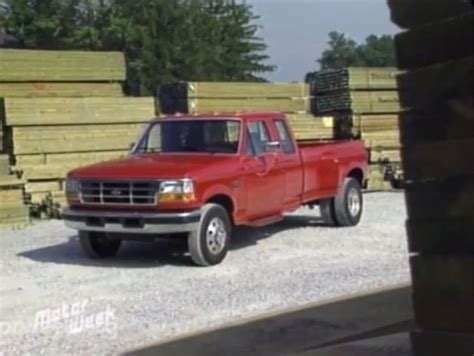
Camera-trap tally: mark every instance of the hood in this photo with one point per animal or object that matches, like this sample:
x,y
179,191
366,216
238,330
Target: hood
x,y
156,166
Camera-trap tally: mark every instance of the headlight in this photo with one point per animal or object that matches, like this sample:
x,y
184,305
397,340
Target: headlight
x,y
72,191
72,185
177,191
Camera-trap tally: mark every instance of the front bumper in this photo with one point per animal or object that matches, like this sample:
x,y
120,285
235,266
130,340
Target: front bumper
x,y
131,222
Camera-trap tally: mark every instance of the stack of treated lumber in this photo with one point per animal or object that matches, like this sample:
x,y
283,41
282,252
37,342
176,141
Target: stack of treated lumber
x,y
62,110
13,211
368,100
291,98
437,132
201,97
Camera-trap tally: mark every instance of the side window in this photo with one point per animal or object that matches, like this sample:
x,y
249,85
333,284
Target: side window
x,y
258,136
284,136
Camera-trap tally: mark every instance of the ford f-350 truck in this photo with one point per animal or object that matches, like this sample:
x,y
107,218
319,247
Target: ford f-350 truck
x,y
198,176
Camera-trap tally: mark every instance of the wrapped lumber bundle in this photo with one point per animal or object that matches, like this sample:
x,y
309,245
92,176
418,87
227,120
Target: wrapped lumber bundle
x,y
354,78
76,111
60,66
229,97
308,127
22,90
437,131
359,102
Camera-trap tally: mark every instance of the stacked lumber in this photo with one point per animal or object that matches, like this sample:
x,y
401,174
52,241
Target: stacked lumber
x,y
13,210
60,66
201,97
367,99
62,110
437,131
291,98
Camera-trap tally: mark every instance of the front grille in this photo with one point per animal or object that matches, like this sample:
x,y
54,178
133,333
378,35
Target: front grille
x,y
119,192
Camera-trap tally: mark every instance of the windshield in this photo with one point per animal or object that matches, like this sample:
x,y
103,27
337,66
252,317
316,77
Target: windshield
x,y
207,136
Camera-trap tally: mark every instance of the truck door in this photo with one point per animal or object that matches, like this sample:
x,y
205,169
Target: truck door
x,y
290,164
264,182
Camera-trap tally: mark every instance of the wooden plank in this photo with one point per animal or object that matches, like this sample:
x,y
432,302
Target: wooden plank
x,y
61,158
205,105
414,13
384,155
19,65
44,186
355,78
444,199
4,165
49,139
438,160
11,196
66,111
12,90
446,120
240,90
438,343
441,235
10,181
431,85
443,292
16,210
359,102
446,40
374,123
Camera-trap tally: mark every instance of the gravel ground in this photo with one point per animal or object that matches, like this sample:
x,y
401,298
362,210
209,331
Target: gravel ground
x,y
54,301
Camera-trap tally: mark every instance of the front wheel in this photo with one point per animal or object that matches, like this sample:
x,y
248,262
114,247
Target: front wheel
x,y
349,203
209,244
98,245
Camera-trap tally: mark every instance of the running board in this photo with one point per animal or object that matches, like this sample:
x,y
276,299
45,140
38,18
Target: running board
x,y
266,220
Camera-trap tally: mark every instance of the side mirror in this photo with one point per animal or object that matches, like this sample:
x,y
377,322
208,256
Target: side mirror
x,y
132,145
272,146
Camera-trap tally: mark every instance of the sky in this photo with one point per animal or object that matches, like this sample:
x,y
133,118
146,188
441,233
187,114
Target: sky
x,y
296,31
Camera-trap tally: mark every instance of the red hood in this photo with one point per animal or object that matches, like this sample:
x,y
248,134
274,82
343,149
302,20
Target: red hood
x,y
156,166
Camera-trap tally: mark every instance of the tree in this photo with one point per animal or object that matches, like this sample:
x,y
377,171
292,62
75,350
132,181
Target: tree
x,y
163,40
345,52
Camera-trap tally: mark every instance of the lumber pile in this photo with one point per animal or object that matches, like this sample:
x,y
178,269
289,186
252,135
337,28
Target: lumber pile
x,y
437,131
367,100
61,110
291,98
200,97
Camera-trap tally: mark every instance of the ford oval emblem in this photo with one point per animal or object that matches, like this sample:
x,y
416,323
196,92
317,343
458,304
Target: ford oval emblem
x,y
116,192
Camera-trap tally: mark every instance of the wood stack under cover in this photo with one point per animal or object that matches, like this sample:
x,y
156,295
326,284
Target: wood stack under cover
x,y
63,110
437,131
202,97
367,99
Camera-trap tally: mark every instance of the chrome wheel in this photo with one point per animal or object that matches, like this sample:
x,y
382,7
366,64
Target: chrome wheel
x,y
216,236
354,202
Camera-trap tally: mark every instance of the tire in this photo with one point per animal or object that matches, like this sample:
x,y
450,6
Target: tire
x,y
326,207
98,245
349,203
209,244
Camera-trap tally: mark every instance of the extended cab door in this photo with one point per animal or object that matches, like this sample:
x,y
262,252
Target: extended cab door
x,y
264,182
290,164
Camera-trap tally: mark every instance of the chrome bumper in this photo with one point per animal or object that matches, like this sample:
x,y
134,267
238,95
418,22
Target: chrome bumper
x,y
131,222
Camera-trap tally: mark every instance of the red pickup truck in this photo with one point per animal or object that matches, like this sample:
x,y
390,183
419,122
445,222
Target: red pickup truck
x,y
199,176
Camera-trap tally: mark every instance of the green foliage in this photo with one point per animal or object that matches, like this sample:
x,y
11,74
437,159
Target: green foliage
x,y
163,40
345,52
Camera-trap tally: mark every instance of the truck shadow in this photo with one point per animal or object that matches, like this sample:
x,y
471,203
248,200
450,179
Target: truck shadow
x,y
160,252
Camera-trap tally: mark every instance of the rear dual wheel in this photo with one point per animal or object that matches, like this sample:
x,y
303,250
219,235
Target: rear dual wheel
x,y
346,208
